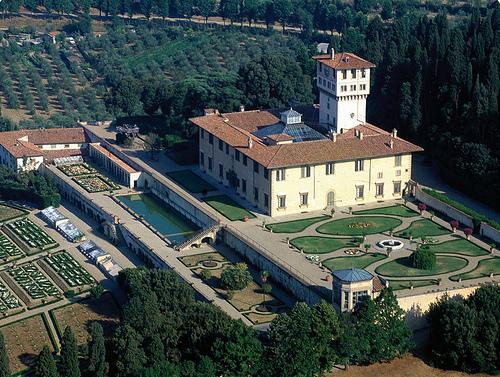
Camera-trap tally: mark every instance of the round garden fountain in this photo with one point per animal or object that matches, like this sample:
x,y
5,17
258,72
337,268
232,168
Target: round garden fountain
x,y
393,244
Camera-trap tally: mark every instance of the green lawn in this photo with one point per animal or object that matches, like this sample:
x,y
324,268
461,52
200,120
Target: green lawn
x,y
483,269
401,267
228,207
362,261
423,228
190,181
295,226
405,284
358,226
459,246
396,210
321,245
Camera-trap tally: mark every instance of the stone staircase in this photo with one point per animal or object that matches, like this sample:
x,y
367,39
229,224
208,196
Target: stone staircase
x,y
197,238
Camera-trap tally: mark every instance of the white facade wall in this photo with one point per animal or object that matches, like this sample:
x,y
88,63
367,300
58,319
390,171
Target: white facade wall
x,y
58,147
249,180
342,183
342,101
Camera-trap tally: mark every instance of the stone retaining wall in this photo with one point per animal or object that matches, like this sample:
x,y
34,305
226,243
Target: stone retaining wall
x,y
288,280
417,307
442,207
488,231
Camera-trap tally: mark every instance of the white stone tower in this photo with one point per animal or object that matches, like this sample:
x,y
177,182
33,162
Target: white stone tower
x,y
343,81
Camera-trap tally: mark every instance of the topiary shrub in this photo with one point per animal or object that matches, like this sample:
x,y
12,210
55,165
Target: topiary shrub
x,y
205,274
423,259
236,278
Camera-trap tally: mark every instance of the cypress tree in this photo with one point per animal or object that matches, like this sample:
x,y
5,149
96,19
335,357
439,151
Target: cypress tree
x,y
45,365
97,351
69,366
4,360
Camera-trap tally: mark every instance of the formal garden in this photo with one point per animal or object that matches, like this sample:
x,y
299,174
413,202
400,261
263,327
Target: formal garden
x,y
96,183
69,270
31,234
250,295
396,242
8,250
34,282
73,170
8,301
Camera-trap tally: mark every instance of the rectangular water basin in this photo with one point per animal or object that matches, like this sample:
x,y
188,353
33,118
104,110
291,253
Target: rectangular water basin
x,y
159,215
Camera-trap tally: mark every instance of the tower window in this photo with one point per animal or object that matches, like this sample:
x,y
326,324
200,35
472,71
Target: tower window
x,y
344,74
353,73
353,88
362,86
343,88
363,73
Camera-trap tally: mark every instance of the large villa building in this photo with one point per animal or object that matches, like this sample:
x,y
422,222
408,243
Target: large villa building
x,y
310,158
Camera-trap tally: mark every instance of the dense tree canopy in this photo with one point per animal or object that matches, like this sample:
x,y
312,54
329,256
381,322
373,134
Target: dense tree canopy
x,y
465,332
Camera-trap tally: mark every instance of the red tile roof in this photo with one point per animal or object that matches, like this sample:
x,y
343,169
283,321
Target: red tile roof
x,y
375,143
344,60
122,164
378,284
25,142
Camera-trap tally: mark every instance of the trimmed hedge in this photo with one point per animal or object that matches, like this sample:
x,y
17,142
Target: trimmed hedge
x,y
477,218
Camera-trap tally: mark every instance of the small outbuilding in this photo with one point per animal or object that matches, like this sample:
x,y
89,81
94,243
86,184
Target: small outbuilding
x,y
350,286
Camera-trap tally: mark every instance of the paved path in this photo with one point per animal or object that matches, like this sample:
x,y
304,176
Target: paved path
x,y
276,243
428,175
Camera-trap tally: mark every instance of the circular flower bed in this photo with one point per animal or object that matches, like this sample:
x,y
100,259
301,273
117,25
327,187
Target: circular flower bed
x,y
352,251
263,309
360,225
209,263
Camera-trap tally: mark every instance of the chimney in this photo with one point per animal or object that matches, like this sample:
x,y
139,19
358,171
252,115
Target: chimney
x,y
391,144
250,143
394,133
360,135
333,136
332,53
242,108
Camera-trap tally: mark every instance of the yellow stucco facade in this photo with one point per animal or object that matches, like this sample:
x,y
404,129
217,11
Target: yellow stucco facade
x,y
293,190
